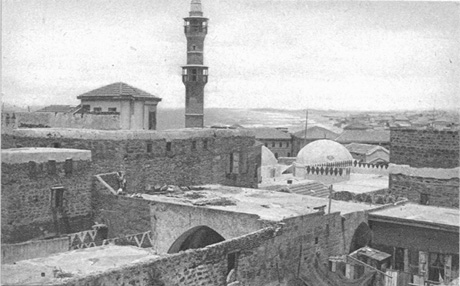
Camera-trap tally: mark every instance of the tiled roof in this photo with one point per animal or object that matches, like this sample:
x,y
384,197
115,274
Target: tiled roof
x,y
356,126
365,149
57,108
316,132
269,133
365,136
118,89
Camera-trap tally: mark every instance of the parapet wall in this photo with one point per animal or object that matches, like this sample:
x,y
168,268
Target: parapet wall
x,y
276,255
14,120
425,148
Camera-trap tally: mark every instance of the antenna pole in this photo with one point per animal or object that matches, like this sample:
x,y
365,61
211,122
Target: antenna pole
x,y
305,133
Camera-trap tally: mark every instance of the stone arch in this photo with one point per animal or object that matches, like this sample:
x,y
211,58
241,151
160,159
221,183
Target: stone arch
x,y
361,237
196,237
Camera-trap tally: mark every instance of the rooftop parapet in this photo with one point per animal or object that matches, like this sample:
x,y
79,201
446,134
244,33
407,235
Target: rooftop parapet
x,y
42,155
91,134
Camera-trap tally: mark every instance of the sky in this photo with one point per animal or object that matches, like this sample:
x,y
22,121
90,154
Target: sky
x,y
291,54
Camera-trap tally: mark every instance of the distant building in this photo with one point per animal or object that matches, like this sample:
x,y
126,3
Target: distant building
x,y
367,153
313,133
357,126
58,108
374,137
137,108
277,141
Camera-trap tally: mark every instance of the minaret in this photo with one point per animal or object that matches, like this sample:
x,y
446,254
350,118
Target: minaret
x,y
195,74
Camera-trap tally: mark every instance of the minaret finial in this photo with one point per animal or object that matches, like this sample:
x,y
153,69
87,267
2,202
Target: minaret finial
x,y
195,8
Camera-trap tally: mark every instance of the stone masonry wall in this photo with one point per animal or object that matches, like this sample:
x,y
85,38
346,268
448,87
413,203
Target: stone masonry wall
x,y
122,215
28,206
203,158
274,255
441,192
425,148
60,120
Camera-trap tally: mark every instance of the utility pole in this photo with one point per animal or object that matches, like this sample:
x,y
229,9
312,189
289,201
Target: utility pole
x,y
305,133
330,199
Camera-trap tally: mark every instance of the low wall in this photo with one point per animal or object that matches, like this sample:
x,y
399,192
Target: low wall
x,y
60,120
370,169
32,249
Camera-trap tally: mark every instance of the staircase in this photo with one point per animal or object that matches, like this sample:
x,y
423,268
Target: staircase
x,y
315,189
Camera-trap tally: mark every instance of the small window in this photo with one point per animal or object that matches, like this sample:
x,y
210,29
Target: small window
x,y
68,167
97,109
168,146
276,155
86,107
205,72
273,144
232,261
56,145
424,199
205,144
194,71
149,147
112,109
281,144
184,71
193,48
289,154
316,240
52,167
193,145
58,197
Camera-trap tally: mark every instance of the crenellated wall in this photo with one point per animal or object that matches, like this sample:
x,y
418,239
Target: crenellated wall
x,y
179,157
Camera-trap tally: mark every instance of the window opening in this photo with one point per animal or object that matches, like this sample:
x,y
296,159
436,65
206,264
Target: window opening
x,y
168,146
112,109
68,166
149,147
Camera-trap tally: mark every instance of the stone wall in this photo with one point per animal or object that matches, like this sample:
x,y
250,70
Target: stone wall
x,y
275,255
441,192
169,221
123,215
32,249
28,204
182,157
425,148
60,120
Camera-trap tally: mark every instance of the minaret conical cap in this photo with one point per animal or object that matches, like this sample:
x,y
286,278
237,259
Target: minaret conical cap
x,y
195,8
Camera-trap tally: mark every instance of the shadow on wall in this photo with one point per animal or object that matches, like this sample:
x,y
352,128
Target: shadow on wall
x,y
197,237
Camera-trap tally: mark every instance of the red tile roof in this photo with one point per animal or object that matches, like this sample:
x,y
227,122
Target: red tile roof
x,y
118,89
316,132
364,136
269,133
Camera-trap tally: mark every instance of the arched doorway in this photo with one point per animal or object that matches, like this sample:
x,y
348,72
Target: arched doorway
x,y
361,237
196,237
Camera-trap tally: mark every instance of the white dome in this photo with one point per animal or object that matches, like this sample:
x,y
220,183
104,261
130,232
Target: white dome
x,y
322,152
268,159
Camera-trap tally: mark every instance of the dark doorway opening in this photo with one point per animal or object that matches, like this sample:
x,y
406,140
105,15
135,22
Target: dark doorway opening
x,y
197,237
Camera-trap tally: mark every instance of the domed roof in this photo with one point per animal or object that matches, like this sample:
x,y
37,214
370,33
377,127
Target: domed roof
x,y
268,159
323,151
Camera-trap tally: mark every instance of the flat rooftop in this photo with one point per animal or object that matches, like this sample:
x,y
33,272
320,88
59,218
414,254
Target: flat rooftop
x,y
40,155
410,212
362,183
358,183
75,263
268,205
